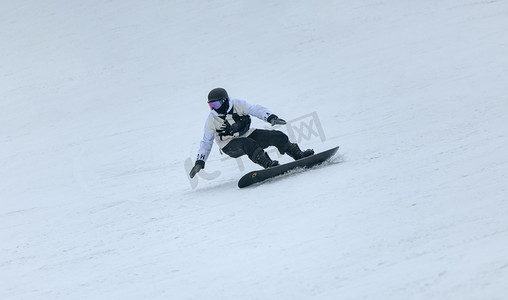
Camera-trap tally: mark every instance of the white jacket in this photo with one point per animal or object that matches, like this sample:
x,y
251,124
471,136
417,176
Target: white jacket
x,y
214,122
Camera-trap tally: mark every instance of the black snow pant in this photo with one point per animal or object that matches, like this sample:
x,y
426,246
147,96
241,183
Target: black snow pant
x,y
258,139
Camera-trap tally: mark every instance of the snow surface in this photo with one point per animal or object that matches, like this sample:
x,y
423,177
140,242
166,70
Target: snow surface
x,y
103,103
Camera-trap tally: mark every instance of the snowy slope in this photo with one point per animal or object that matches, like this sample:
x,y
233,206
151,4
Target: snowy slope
x,y
103,104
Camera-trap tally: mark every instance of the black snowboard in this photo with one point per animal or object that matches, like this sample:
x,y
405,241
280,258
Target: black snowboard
x,y
307,162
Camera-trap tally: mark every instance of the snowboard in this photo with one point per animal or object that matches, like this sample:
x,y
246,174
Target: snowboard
x,y
306,162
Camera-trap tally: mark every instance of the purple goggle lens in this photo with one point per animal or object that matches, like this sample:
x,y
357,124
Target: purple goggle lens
x,y
216,104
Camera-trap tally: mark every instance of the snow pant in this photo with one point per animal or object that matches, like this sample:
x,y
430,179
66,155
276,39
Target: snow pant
x,y
258,139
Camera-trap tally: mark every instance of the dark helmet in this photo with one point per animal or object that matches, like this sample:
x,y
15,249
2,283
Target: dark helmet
x,y
218,100
217,94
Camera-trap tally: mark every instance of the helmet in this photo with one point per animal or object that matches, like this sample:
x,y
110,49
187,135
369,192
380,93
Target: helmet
x,y
218,100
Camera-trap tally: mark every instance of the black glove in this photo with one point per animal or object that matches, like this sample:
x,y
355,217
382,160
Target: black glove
x,y
274,120
200,164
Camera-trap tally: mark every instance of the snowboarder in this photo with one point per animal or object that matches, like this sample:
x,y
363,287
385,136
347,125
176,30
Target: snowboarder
x,y
229,124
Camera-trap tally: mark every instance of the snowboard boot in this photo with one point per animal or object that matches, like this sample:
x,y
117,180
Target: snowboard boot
x,y
294,151
261,158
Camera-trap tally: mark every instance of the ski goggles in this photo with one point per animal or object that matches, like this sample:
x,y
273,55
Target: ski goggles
x,y
216,104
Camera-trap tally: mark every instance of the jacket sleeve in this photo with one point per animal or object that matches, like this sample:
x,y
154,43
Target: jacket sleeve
x,y
205,147
257,111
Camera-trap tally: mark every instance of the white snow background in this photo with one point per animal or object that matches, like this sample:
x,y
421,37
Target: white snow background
x,y
102,102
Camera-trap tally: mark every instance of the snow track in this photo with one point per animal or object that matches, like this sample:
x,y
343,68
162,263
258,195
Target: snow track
x,y
102,103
